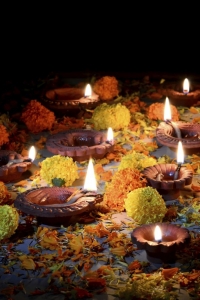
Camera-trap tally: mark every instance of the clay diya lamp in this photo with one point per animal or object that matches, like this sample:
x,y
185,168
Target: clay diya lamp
x,y
190,136
60,205
181,94
13,165
67,99
169,179
56,205
80,144
161,241
162,177
169,133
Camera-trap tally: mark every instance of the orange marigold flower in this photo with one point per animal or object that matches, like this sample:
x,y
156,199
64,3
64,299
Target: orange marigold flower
x,y
123,181
37,117
4,135
5,196
156,112
106,87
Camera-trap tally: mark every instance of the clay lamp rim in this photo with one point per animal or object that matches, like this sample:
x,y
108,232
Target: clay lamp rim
x,y
173,237
164,135
168,182
181,98
51,202
13,172
68,97
63,143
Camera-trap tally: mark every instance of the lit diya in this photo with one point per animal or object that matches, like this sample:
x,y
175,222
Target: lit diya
x,y
59,205
169,179
13,164
185,95
70,98
81,144
169,133
161,241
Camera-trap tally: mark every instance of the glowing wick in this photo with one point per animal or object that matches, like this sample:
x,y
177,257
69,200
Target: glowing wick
x,y
180,159
88,90
157,234
167,118
90,180
110,138
186,86
32,153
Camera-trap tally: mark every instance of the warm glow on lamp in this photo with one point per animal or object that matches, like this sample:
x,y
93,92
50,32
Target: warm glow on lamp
x,y
32,153
110,137
167,110
168,117
157,234
186,86
90,180
180,153
88,90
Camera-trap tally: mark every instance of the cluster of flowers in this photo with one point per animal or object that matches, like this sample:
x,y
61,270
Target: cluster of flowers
x,y
107,87
9,216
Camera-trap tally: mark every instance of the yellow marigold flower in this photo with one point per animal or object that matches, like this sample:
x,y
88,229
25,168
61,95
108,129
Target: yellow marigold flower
x,y
37,117
106,87
137,161
156,112
4,135
145,205
116,116
8,222
59,167
122,183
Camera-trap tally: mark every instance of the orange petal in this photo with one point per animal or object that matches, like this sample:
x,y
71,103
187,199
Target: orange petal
x,y
169,273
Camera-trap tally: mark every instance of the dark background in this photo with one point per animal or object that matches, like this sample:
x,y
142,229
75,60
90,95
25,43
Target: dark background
x,y
94,37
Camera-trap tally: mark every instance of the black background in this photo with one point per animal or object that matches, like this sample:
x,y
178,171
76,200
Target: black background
x,y
95,37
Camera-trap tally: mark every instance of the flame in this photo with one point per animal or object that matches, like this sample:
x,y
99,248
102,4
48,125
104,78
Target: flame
x,y
157,234
180,153
186,86
110,135
32,153
167,110
88,90
90,180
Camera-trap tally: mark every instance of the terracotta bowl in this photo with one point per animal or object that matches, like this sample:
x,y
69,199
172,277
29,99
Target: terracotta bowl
x,y
190,136
176,96
50,205
12,173
174,238
161,177
80,144
68,99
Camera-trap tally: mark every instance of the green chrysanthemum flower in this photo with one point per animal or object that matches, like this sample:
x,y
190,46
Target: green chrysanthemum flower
x,y
137,161
8,222
145,205
116,116
59,168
